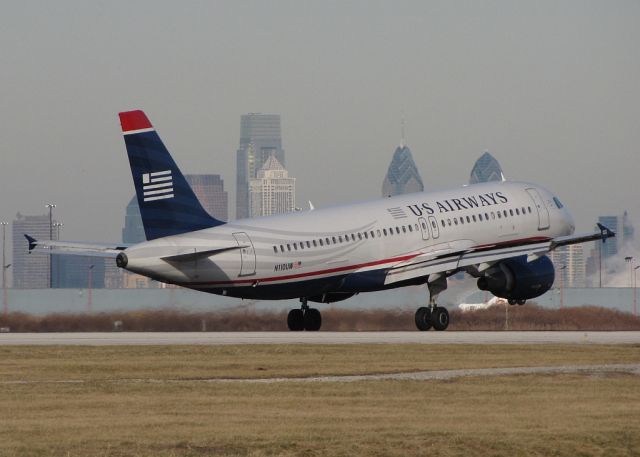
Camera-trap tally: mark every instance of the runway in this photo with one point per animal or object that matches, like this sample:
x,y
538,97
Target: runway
x,y
229,338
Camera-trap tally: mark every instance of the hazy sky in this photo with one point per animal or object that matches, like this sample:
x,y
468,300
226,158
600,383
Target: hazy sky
x,y
552,89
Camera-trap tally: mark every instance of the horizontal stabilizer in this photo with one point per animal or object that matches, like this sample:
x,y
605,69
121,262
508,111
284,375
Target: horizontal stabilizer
x,y
75,248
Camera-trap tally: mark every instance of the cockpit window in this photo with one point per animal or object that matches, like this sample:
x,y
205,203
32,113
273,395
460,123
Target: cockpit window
x,y
557,202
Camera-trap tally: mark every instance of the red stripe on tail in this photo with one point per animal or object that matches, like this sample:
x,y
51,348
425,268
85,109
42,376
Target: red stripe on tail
x,y
134,120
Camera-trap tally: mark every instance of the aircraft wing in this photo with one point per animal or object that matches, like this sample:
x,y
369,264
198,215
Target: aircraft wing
x,y
481,258
75,248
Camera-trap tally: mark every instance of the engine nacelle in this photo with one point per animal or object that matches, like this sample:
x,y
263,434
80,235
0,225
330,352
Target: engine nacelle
x,y
518,279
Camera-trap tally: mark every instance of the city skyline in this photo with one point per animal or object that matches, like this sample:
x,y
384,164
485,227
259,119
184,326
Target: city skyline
x,y
549,88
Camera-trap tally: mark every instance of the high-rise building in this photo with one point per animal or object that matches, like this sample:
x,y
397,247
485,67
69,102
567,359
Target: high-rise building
x,y
402,176
486,169
210,192
570,263
260,138
133,230
30,270
272,191
76,271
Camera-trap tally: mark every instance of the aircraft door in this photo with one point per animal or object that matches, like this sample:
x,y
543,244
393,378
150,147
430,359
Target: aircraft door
x,y
435,230
543,212
247,254
424,229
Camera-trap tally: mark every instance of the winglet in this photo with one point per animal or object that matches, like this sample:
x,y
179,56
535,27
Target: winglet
x,y
134,122
605,232
32,242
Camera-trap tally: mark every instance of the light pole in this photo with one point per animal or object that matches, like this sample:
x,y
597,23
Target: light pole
x,y
5,302
50,206
629,260
635,290
89,286
58,226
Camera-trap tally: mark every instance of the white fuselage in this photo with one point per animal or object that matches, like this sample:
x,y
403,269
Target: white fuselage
x,y
312,252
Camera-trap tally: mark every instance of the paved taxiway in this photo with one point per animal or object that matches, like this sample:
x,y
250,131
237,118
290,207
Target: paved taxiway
x,y
225,338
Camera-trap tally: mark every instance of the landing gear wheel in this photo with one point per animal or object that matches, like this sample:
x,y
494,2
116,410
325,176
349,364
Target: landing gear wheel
x,y
512,301
295,320
423,318
440,318
312,320
521,302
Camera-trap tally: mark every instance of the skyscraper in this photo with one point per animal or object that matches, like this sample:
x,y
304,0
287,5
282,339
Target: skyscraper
x,y
570,263
210,192
402,175
30,270
260,138
272,191
486,169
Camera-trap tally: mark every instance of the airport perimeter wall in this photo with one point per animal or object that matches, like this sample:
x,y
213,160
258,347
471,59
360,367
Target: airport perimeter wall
x,y
43,301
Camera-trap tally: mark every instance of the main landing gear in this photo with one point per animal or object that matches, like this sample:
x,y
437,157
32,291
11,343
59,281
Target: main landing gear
x,y
513,301
433,315
304,318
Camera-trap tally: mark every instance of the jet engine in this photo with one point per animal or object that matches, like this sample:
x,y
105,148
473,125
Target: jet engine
x,y
517,279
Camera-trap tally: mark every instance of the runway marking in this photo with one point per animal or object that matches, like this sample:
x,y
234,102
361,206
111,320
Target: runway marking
x,y
230,338
436,375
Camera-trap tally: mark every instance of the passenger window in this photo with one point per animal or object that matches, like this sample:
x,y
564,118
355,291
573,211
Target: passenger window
x,y
314,244
275,249
529,209
379,233
398,230
424,226
281,248
340,238
328,241
404,229
366,236
302,245
462,221
517,211
320,241
468,220
455,220
359,236
410,228
511,212
309,244
384,231
441,220
499,215
295,246
486,216
557,202
505,213
449,222
288,247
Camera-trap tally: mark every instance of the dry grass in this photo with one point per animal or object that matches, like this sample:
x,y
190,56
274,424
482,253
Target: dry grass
x,y
529,317
267,361
510,416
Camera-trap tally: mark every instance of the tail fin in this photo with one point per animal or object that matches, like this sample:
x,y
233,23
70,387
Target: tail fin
x,y
167,203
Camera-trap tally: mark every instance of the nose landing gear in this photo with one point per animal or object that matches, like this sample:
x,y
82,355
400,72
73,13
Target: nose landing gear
x,y
304,318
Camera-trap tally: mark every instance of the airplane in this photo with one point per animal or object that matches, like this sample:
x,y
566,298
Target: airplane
x,y
497,232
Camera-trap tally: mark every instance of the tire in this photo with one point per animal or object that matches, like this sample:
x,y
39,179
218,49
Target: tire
x,y
440,319
423,318
312,320
521,302
295,320
512,301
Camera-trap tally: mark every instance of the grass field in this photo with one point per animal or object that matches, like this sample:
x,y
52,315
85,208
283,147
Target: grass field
x,y
151,401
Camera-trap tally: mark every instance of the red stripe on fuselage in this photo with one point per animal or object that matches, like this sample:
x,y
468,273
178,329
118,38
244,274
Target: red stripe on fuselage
x,y
304,275
521,241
